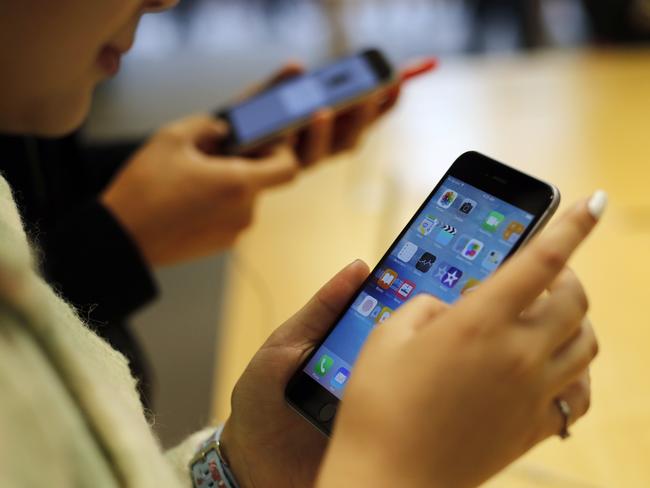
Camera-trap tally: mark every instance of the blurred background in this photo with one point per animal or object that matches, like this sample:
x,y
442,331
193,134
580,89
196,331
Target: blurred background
x,y
198,55
559,88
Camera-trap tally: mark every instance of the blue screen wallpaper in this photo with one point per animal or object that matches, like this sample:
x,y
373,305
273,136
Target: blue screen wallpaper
x,y
274,109
459,239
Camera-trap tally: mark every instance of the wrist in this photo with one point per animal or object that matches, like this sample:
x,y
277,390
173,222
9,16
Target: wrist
x,y
234,455
128,220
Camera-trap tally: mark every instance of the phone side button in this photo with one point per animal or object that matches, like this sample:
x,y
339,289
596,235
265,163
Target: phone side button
x,y
327,412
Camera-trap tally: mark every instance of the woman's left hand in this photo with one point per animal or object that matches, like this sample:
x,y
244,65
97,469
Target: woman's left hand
x,y
267,443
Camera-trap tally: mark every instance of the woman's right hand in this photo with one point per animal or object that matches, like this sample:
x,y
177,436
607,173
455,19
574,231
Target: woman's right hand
x,y
448,396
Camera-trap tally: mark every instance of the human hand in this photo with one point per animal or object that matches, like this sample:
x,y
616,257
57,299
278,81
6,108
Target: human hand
x,y
267,443
179,202
330,132
465,390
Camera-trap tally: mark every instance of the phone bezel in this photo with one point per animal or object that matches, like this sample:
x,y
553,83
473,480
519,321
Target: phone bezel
x,y
235,146
304,394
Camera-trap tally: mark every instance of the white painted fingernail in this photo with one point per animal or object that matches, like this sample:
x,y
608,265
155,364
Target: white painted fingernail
x,y
597,204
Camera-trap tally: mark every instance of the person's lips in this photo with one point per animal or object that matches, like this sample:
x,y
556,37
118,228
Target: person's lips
x,y
109,59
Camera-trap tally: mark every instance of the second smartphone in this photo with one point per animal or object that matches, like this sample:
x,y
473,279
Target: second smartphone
x,y
289,105
477,216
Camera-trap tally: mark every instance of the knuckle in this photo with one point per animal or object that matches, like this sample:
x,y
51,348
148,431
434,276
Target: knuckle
x,y
292,173
551,257
595,349
582,223
583,361
293,161
582,402
471,331
583,300
237,184
432,305
581,297
521,363
246,219
585,404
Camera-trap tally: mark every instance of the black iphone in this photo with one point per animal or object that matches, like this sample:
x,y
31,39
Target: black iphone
x,y
477,216
289,105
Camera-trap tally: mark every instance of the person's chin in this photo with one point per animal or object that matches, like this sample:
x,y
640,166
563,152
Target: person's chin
x,y
63,116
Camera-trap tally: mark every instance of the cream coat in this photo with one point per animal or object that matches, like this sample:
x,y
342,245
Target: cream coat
x,y
70,414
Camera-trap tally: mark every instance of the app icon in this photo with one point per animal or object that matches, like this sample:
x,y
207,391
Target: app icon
x,y
427,225
441,270
492,260
340,378
472,249
405,290
375,312
383,315
493,221
447,198
470,285
425,262
323,365
451,277
467,206
513,232
461,242
387,278
407,252
446,234
366,305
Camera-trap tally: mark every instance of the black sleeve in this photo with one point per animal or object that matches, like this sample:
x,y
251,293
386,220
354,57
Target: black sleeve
x,y
102,161
96,266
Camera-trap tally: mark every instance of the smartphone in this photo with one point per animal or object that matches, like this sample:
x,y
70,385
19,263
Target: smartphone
x,y
477,216
290,105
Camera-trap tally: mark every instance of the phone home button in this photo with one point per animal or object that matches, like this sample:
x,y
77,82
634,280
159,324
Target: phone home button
x,y
327,412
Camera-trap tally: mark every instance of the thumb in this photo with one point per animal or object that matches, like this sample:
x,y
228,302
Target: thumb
x,y
202,131
198,126
286,72
312,322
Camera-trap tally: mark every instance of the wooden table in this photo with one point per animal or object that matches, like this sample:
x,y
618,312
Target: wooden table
x,y
578,119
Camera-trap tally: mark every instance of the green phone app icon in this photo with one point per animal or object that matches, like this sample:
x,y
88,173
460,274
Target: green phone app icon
x,y
493,221
323,365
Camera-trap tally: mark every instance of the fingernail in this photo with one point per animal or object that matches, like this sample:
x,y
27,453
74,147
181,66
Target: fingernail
x,y
597,204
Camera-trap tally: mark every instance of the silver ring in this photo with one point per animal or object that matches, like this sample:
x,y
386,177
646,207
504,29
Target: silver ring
x,y
565,409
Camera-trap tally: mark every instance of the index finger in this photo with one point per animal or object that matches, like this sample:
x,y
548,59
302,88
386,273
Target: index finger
x,y
524,277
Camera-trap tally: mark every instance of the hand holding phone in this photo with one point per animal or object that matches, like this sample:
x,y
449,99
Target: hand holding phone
x,y
262,435
477,216
450,395
326,109
288,106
